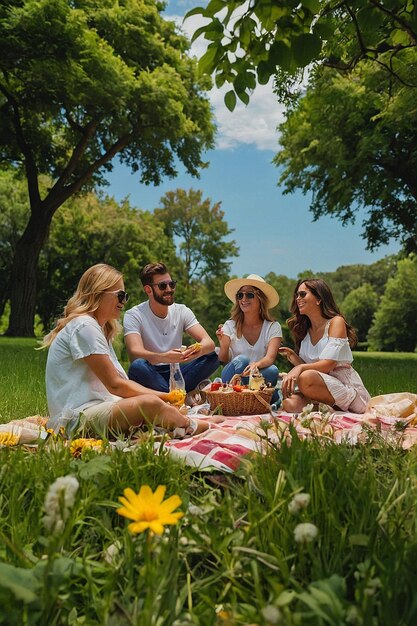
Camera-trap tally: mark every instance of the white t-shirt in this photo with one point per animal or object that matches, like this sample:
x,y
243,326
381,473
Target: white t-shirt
x,y
159,334
239,345
71,385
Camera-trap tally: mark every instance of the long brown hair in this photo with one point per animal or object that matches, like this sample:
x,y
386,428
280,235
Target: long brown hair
x,y
86,299
237,314
299,324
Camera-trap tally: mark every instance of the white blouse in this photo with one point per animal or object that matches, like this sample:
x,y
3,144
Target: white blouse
x,y
333,348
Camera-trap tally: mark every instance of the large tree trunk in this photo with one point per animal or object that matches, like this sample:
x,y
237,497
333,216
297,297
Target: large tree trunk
x,y
23,277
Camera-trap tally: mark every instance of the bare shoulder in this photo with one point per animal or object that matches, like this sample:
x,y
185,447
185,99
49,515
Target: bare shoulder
x,y
337,327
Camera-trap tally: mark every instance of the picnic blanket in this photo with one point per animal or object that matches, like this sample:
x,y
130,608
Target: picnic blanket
x,y
393,417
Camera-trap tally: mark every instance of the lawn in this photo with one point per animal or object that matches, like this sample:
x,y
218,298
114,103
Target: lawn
x,y
250,549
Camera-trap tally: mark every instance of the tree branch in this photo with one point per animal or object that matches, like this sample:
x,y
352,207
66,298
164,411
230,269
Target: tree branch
x,y
30,165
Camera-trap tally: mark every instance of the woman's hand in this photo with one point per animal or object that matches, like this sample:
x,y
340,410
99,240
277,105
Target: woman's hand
x,y
289,381
248,370
290,355
219,331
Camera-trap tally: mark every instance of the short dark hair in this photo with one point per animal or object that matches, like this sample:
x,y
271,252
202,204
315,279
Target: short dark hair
x,y
148,272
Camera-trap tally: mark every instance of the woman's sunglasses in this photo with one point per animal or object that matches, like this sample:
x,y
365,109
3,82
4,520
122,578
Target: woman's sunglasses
x,y
122,296
242,294
301,294
163,285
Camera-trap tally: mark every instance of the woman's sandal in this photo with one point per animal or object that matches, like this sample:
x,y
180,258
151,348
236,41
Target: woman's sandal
x,y
188,431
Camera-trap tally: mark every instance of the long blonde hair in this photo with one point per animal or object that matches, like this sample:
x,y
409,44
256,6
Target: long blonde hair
x,y
86,299
237,314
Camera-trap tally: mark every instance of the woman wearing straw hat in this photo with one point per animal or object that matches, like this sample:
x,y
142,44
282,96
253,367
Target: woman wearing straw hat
x,y
251,337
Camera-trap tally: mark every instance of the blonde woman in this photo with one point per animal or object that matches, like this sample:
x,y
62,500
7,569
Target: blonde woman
x,y
83,375
251,337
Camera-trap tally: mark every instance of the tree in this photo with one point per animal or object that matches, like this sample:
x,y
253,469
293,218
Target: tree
x,y
359,307
81,82
395,324
352,141
200,232
250,42
101,231
13,216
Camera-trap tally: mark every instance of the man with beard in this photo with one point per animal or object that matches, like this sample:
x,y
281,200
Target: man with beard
x,y
154,332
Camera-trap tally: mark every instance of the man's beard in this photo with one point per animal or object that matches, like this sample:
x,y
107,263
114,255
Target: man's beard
x,y
165,299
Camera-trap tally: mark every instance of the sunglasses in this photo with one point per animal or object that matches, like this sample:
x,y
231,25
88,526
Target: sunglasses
x,y
163,285
242,294
122,296
301,294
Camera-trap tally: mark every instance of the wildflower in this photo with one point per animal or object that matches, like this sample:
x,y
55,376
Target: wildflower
x,y
299,502
8,439
148,510
78,445
271,614
305,533
59,501
112,552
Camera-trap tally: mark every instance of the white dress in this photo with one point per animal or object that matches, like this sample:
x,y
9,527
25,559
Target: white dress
x,y
343,382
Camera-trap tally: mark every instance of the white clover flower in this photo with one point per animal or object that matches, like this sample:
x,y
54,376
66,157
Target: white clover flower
x,y
112,552
305,533
299,502
59,501
271,614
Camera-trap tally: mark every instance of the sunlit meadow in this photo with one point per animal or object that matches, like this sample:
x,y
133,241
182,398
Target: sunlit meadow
x,y
310,533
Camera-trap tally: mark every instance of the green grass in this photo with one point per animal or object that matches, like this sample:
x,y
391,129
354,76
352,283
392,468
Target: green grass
x,y
232,560
387,372
22,380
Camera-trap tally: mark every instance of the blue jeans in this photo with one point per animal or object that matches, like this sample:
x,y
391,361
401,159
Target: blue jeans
x,y
157,376
239,363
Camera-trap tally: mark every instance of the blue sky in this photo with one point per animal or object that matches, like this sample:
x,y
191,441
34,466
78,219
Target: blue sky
x,y
274,232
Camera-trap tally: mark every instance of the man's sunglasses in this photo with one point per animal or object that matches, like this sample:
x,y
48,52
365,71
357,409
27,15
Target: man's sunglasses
x,y
242,294
301,294
122,296
164,284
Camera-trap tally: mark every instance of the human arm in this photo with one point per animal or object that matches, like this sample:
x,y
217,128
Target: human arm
x,y
224,344
102,366
336,345
136,350
268,359
201,336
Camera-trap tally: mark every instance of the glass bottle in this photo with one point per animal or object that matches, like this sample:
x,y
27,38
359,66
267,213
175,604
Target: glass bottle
x,y
176,380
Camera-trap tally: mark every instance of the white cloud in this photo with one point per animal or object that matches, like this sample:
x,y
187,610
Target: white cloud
x,y
254,124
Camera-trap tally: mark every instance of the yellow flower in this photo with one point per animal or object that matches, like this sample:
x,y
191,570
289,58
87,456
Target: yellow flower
x,y
8,439
78,445
147,509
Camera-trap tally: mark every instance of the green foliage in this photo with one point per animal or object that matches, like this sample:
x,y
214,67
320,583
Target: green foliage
x,y
359,307
79,84
395,325
200,232
235,542
250,43
351,142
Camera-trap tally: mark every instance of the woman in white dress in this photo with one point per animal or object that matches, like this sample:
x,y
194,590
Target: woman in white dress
x,y
85,381
251,337
322,360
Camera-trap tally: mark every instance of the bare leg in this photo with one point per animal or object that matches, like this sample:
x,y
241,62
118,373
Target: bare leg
x,y
294,403
312,386
149,409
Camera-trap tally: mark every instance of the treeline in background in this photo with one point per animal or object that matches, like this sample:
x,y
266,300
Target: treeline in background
x,y
191,236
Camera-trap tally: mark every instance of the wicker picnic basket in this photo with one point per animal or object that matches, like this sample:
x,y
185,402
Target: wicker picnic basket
x,y
237,403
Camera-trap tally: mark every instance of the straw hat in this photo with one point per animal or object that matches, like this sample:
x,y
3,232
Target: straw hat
x,y
253,280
